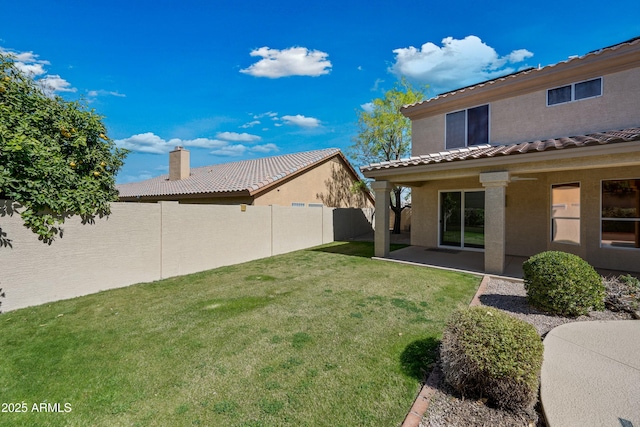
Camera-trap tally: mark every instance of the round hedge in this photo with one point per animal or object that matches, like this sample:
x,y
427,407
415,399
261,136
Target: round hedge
x,y
562,283
487,352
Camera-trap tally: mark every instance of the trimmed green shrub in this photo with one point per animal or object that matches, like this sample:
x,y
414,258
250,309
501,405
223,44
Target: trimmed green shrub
x,y
562,283
488,353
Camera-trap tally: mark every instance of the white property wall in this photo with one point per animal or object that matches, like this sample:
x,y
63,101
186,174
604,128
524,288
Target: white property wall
x,y
142,242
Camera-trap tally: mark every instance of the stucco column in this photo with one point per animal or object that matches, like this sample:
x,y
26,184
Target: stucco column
x,y
382,191
495,184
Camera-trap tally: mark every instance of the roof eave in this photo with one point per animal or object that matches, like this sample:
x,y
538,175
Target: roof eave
x,y
400,172
185,196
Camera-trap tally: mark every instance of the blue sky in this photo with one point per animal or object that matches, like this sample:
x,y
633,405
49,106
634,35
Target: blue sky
x,y
234,80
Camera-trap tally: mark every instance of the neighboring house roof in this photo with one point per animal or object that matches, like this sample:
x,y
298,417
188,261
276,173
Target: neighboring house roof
x,y
529,73
247,176
487,151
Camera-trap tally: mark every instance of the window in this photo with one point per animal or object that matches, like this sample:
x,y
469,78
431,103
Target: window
x,y
467,127
297,205
565,213
575,92
462,219
620,224
316,205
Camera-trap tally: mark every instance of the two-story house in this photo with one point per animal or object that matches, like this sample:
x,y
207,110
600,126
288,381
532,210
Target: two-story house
x,y
542,159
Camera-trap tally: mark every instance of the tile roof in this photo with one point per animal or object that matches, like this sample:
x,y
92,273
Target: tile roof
x,y
246,175
488,151
518,74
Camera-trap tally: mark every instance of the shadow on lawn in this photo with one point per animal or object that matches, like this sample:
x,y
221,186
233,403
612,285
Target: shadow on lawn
x,y
359,249
419,357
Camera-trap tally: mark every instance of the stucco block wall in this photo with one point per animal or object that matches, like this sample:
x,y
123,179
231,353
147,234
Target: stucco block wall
x,y
291,228
87,259
352,222
142,242
201,237
527,117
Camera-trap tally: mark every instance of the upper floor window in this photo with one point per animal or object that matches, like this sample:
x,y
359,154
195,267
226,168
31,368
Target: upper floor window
x,y
467,127
575,91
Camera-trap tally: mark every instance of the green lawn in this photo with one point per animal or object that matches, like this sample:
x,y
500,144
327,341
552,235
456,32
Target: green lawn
x,y
319,337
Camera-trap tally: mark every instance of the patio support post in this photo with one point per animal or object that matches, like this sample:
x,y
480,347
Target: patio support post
x,y
495,184
382,237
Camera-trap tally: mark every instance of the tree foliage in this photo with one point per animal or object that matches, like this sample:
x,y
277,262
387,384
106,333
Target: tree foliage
x,y
55,159
385,134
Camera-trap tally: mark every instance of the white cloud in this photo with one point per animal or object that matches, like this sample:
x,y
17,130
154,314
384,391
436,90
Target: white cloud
x,y
457,63
368,107
151,143
102,92
55,83
250,124
31,70
230,151
238,137
376,85
295,61
267,114
30,64
519,55
300,120
265,148
239,150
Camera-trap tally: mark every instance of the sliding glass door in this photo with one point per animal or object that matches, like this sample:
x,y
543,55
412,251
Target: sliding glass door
x,y
462,219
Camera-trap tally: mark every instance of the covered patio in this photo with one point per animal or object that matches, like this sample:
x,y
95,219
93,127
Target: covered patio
x,y
456,260
488,208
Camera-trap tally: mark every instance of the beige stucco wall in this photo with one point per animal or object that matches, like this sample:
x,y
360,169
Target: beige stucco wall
x,y
141,242
200,237
327,183
351,222
88,258
291,225
528,215
617,108
527,117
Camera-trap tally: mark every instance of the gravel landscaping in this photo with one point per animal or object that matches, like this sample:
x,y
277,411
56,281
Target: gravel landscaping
x,y
449,409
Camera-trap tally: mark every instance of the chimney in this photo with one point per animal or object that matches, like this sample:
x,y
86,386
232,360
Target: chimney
x,y
179,164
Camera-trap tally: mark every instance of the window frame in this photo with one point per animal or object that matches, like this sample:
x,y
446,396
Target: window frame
x,y
573,91
466,126
578,218
602,219
462,192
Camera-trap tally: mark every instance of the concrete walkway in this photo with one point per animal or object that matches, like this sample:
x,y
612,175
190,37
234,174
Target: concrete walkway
x,y
591,374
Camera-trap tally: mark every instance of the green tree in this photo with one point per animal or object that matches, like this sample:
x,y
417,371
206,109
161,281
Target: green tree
x,y
55,159
385,134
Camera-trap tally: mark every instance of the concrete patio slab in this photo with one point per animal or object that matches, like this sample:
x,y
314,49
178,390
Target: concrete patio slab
x,y
451,259
591,374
